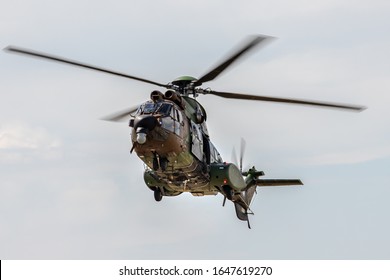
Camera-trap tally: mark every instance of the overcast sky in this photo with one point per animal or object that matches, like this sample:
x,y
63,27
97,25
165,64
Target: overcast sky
x,y
69,189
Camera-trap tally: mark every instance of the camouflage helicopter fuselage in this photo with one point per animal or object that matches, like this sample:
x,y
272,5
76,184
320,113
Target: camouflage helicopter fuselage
x,y
169,134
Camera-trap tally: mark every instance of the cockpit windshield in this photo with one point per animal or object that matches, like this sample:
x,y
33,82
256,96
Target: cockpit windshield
x,y
165,109
154,108
149,108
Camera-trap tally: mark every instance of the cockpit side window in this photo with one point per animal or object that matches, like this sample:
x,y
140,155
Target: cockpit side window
x,y
173,113
140,109
178,116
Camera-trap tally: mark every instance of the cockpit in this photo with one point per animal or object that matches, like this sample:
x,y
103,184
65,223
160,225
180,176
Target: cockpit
x,y
151,108
166,115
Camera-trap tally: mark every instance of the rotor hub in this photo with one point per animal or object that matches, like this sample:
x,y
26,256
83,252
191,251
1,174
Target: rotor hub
x,y
183,81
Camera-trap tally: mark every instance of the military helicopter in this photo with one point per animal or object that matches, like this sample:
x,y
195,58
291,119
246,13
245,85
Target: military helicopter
x,y
169,134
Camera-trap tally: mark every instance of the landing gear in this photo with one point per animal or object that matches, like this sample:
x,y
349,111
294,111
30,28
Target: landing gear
x,y
158,194
228,192
163,163
155,163
159,162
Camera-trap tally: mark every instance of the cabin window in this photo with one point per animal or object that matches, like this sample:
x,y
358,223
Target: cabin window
x,y
215,156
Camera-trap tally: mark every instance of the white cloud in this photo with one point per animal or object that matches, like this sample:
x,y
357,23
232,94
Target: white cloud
x,y
20,142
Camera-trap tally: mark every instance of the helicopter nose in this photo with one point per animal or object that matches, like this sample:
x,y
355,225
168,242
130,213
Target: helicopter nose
x,y
145,121
142,125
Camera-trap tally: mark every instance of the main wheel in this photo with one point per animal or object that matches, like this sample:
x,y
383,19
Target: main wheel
x,y
157,194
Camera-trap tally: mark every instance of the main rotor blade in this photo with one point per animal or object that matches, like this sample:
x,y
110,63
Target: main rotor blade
x,y
234,157
76,63
121,115
211,75
285,100
242,151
